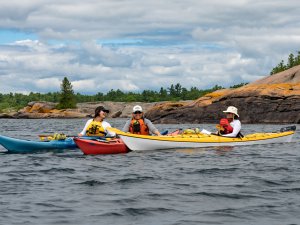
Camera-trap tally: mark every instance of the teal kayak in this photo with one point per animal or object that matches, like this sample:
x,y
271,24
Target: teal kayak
x,y
14,145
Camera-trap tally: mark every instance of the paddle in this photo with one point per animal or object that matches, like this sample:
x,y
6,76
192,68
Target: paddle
x,y
50,137
62,136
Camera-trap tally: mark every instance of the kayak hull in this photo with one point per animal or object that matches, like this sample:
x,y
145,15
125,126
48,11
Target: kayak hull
x,y
144,143
14,145
100,147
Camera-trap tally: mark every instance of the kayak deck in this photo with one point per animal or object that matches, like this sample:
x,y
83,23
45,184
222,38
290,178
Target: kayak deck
x,y
100,146
14,145
144,142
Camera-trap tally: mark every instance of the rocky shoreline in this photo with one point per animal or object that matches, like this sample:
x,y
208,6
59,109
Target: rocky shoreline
x,y
276,104
45,110
273,99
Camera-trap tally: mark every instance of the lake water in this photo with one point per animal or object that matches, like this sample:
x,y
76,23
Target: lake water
x,y
257,184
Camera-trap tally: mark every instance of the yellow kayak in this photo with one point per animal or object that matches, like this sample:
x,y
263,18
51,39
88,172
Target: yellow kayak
x,y
145,142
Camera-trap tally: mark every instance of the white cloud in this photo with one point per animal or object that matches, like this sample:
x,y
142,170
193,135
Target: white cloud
x,y
47,83
103,45
84,85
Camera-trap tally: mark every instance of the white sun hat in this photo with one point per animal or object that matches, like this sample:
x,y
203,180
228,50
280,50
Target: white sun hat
x,y
232,109
137,108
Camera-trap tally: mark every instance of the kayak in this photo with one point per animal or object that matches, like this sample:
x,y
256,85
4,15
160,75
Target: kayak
x,y
100,146
145,142
14,145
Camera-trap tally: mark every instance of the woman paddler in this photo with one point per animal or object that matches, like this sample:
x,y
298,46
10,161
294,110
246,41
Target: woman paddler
x,y
97,126
231,125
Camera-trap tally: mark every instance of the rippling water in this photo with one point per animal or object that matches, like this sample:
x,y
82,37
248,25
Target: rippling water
x,y
242,185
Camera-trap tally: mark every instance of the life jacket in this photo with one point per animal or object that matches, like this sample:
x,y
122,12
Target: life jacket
x,y
226,127
95,128
138,127
191,131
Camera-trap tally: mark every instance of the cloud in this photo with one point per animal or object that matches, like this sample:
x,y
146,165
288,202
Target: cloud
x,y
83,85
47,83
103,45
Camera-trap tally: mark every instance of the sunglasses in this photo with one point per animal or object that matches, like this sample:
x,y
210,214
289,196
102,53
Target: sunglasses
x,y
137,112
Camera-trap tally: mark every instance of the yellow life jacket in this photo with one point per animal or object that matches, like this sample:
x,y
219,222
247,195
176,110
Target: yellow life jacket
x,y
95,128
191,131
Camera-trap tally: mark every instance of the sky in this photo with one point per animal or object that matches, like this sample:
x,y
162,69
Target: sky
x,y
135,45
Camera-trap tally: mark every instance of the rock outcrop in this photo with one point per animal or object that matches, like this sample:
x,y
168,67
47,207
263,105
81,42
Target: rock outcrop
x,y
40,110
274,99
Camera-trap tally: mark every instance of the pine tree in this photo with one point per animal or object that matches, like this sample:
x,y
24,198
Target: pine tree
x,y
163,93
291,61
297,59
172,91
178,90
67,97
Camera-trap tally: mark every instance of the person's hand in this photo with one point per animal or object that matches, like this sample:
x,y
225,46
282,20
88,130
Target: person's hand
x,y
157,133
79,135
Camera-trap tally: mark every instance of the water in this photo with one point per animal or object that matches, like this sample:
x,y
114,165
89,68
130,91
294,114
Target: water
x,y
242,185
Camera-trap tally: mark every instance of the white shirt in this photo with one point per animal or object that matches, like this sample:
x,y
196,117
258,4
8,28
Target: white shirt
x,y
104,125
236,125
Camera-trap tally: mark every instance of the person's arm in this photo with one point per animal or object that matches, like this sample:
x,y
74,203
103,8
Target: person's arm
x,y
126,126
236,129
151,127
108,133
83,132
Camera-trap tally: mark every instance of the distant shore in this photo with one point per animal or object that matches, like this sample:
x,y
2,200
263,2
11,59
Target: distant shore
x,y
47,110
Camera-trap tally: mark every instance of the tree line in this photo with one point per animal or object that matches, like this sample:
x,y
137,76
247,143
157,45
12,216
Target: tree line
x,y
291,62
66,98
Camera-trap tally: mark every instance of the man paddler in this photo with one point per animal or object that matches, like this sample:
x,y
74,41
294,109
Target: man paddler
x,y
138,124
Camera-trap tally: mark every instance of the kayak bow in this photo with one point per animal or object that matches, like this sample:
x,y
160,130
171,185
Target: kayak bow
x,y
14,145
100,146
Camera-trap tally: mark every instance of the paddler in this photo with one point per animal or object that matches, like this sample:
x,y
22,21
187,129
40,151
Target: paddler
x,y
231,125
138,124
97,126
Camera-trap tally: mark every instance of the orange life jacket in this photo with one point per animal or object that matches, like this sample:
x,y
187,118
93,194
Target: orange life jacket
x,y
138,127
224,123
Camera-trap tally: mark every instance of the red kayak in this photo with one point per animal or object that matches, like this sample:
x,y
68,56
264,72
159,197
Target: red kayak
x,y
99,146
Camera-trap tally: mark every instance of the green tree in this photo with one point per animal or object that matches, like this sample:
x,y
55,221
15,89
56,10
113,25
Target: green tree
x,y
297,59
178,90
238,85
163,94
67,97
172,91
291,61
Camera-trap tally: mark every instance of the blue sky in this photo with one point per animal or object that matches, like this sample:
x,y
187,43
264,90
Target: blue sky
x,y
112,44
10,36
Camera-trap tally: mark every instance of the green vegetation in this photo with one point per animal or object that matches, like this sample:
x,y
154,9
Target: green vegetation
x,y
16,101
292,61
238,85
67,98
